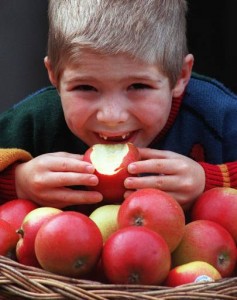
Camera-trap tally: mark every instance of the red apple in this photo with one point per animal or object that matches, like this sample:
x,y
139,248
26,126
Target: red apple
x,y
136,255
69,244
219,205
156,210
207,241
111,162
25,248
15,210
8,239
195,271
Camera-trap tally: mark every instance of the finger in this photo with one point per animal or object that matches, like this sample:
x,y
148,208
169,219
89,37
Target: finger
x,y
76,179
66,155
128,193
65,164
61,179
156,166
65,197
162,182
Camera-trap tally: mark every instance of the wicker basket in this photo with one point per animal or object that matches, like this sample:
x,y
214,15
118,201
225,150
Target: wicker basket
x,y
22,282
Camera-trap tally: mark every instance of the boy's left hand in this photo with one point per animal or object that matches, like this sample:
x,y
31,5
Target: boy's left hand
x,y
176,174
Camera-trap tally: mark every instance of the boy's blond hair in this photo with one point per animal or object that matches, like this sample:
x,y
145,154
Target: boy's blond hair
x,y
151,30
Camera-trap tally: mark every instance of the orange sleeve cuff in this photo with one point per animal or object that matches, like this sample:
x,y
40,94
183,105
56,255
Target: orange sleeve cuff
x,y
9,158
12,155
224,175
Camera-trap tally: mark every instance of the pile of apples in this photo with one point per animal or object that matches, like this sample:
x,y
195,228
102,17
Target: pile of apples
x,y
144,239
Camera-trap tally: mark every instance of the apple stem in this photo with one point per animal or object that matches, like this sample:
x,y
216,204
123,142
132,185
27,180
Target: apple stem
x,y
134,278
20,231
221,259
80,263
138,221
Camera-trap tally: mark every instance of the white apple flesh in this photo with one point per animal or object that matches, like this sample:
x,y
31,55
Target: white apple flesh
x,y
111,162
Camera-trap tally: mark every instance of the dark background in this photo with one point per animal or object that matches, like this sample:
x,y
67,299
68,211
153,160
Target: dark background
x,y
212,38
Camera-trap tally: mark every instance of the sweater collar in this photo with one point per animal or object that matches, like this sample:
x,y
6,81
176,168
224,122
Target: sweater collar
x,y
176,103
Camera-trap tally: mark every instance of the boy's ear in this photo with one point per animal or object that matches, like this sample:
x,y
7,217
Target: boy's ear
x,y
184,76
51,76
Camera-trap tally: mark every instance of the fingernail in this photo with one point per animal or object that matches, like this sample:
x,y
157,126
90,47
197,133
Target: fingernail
x,y
127,181
93,180
131,168
99,198
90,169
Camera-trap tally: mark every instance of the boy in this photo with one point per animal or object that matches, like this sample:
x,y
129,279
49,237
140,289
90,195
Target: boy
x,y
121,73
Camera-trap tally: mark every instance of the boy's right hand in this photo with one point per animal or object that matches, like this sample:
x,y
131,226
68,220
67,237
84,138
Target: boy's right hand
x,y
47,178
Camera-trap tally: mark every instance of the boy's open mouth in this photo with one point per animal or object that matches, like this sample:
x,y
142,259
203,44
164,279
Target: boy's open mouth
x,y
117,138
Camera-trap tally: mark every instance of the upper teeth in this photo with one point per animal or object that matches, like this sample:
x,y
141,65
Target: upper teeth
x,y
103,137
124,136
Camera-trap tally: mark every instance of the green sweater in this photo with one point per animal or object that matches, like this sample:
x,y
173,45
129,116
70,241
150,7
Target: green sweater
x,y
37,125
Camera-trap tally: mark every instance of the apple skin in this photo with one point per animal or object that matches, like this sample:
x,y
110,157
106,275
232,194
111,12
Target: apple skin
x,y
111,186
25,248
15,210
207,241
8,239
219,205
136,255
69,244
156,210
105,218
195,271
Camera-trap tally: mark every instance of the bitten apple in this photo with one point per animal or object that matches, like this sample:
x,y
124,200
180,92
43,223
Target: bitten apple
x,y
8,239
156,210
219,205
136,255
69,244
195,271
15,210
25,248
207,241
111,162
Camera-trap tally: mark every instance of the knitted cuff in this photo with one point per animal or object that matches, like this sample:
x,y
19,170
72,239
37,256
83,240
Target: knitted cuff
x,y
224,175
232,172
7,184
11,155
9,159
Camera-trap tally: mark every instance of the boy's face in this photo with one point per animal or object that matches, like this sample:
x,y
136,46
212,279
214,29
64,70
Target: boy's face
x,y
109,99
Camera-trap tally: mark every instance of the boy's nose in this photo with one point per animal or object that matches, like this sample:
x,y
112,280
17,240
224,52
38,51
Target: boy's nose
x,y
112,113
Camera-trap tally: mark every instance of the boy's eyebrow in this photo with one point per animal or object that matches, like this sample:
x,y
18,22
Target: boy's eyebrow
x,y
144,77
79,78
134,78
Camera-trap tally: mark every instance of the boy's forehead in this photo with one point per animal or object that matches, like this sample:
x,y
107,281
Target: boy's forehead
x,y
85,56
92,59
118,67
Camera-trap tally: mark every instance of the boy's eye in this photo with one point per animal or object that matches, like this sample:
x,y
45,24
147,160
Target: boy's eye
x,y
139,86
85,88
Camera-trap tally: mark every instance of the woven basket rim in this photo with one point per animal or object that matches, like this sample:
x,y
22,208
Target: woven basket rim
x,y
24,282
